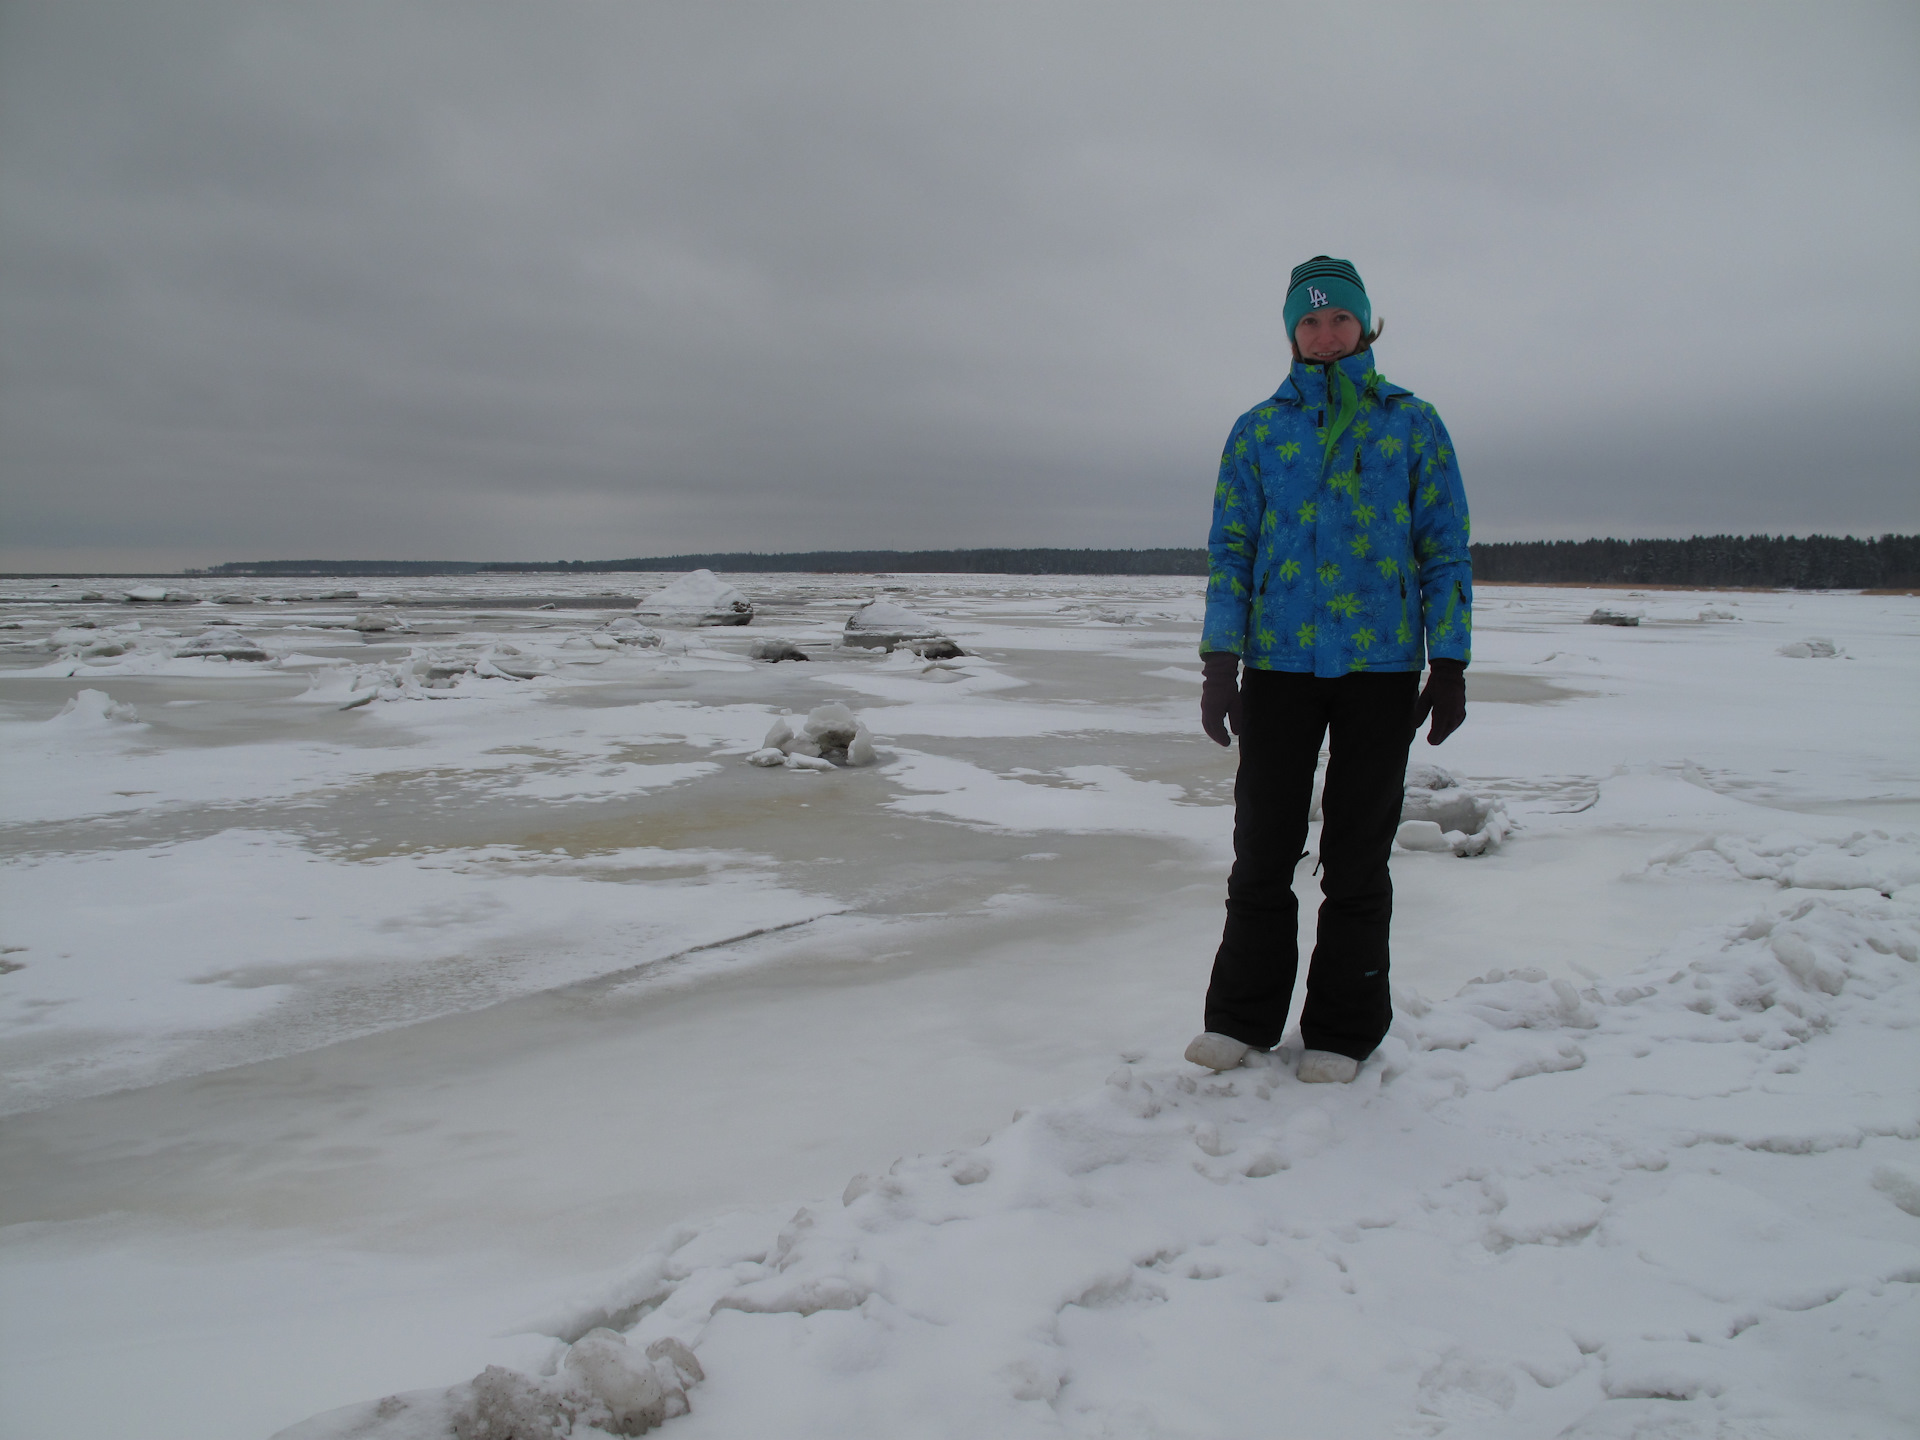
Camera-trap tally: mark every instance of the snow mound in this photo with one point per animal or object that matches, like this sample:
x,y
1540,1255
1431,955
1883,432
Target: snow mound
x,y
830,736
1437,814
882,625
426,674
603,1386
94,710
88,642
626,630
1865,860
698,598
222,642
1675,1204
623,634
1815,647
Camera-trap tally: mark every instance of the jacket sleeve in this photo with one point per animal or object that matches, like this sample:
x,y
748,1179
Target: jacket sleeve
x,y
1440,530
1239,507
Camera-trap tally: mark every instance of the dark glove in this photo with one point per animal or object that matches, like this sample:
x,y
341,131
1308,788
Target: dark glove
x,y
1446,697
1220,695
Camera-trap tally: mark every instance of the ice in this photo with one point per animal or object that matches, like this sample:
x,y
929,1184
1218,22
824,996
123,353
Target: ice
x,y
94,710
603,1386
699,597
774,649
1816,648
1438,814
1605,616
222,644
884,625
351,1057
628,630
830,736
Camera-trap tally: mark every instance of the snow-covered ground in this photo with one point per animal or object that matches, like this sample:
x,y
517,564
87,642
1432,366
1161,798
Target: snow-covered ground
x,y
447,984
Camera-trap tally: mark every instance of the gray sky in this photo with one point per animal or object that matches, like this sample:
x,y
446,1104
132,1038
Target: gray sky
x,y
580,281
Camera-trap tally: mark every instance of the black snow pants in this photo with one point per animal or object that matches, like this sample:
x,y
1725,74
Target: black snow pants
x,y
1284,716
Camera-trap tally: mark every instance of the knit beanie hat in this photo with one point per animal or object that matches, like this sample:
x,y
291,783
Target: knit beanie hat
x,y
1323,282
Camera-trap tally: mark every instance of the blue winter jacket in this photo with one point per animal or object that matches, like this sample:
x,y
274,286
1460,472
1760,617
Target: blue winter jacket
x,y
1339,537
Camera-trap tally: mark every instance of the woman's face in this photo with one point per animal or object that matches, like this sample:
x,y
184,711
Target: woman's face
x,y
1324,335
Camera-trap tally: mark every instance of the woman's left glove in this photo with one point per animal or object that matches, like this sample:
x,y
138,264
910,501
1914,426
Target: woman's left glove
x,y
1220,695
1446,697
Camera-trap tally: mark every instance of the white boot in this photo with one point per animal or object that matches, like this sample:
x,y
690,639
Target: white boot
x,y
1322,1067
1216,1051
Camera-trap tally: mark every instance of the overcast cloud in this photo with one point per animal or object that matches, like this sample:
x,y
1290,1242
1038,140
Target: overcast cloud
x,y
556,281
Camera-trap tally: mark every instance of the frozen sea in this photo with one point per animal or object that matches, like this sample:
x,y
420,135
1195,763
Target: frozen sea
x,y
381,1004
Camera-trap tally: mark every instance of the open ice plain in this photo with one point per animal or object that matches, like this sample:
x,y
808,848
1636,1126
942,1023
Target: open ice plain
x,y
349,1051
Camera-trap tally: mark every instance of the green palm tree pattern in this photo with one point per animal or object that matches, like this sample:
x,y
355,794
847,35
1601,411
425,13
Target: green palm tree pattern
x,y
1355,484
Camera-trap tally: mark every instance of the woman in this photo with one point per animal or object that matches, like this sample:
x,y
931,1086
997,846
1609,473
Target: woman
x,y
1338,562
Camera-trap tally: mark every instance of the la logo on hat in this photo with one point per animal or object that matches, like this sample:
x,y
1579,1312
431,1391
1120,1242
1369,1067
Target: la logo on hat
x,y
1316,299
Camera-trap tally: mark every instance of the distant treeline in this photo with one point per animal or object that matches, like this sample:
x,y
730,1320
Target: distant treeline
x,y
820,562
1813,562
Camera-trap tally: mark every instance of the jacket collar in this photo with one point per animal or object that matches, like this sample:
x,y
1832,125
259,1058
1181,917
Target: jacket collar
x,y
1307,385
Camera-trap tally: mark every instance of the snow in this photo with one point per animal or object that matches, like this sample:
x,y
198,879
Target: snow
x,y
356,1053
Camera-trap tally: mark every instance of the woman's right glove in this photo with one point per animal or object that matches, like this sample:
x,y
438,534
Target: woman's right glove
x,y
1220,695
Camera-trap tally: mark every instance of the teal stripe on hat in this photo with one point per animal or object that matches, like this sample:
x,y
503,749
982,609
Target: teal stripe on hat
x,y
1324,282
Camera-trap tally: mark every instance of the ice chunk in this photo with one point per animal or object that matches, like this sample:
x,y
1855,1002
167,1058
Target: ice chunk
x,y
832,725
831,735
151,595
1421,835
512,662
375,621
698,598
600,1363
94,710
222,643
1815,647
1604,616
626,630
881,625
773,649
1437,813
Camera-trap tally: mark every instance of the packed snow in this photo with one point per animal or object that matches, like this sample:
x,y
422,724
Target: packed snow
x,y
538,1008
